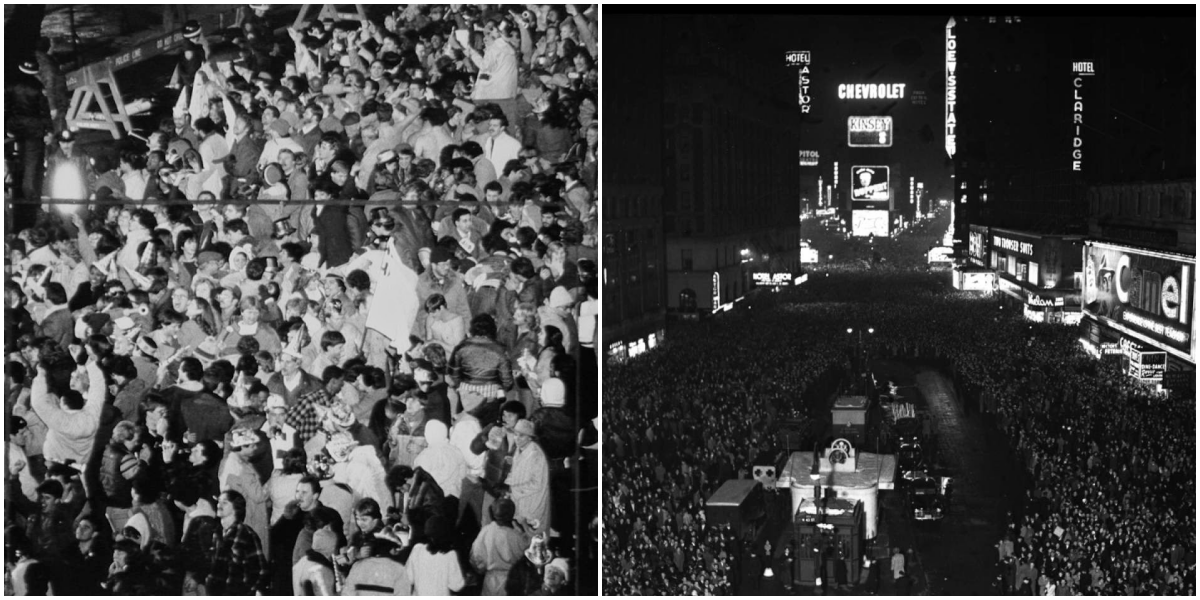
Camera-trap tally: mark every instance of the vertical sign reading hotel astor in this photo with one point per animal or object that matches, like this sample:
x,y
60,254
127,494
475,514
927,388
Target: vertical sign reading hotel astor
x,y
1080,70
951,86
802,59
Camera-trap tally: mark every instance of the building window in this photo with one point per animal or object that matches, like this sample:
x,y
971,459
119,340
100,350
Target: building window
x,y
685,257
1033,273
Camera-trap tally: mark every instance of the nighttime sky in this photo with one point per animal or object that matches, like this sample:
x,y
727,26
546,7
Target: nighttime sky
x,y
857,49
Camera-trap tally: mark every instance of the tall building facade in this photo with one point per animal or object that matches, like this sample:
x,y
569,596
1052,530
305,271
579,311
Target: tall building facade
x,y
634,274
730,158
1084,129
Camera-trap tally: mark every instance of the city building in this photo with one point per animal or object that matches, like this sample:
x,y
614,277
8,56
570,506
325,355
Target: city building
x,y
730,148
633,279
1112,175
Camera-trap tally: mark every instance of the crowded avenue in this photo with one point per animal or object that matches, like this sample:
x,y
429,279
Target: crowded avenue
x,y
301,300
1063,475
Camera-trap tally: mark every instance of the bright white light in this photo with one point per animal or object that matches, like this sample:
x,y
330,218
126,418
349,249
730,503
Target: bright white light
x,y
849,330
68,184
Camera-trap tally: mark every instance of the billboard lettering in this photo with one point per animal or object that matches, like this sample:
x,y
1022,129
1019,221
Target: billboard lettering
x,y
869,222
810,158
869,132
1143,293
869,183
951,86
1080,70
871,91
1012,245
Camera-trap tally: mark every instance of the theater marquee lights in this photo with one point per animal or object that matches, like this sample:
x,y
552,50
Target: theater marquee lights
x,y
871,91
951,87
810,158
1080,70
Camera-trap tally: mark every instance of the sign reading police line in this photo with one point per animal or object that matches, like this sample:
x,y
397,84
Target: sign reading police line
x,y
869,184
869,132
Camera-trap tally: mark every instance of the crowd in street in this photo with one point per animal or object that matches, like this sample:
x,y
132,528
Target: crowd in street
x,y
331,333
1111,494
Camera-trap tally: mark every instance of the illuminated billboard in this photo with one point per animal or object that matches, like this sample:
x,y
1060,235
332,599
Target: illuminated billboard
x,y
810,158
869,132
772,278
1079,70
869,222
869,183
1144,293
871,91
951,87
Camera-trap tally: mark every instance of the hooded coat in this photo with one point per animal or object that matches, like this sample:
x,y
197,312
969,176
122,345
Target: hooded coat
x,y
442,460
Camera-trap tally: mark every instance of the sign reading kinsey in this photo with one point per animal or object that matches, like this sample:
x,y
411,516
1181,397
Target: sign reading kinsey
x,y
869,132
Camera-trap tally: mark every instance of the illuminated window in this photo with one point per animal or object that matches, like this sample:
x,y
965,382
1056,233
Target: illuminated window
x,y
1033,273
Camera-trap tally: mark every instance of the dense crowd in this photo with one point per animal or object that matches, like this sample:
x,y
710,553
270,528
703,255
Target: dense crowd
x,y
1111,495
331,332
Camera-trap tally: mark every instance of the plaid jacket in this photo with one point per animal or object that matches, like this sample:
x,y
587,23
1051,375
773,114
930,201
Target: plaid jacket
x,y
239,567
303,415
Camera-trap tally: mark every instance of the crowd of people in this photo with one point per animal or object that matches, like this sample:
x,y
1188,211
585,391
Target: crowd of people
x,y
331,331
1110,503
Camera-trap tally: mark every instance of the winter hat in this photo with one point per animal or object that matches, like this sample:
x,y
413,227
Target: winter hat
x,y
439,255
561,565
340,415
191,29
281,127
554,392
341,445
325,542
560,298
273,173
436,433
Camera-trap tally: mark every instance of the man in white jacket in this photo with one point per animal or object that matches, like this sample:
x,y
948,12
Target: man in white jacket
x,y
71,419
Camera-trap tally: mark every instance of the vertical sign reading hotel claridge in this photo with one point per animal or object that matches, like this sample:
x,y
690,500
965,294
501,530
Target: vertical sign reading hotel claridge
x,y
1079,71
951,86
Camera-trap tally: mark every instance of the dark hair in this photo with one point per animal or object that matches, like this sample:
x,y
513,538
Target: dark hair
x,y
192,368
123,366
368,507
358,279
145,218
483,325
471,148
524,267
55,293
256,268
330,339
295,461
312,482
294,250
239,504
72,399
212,452
515,407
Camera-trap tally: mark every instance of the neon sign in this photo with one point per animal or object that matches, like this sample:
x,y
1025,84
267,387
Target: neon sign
x,y
802,59
951,87
1080,69
871,91
869,132
810,158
